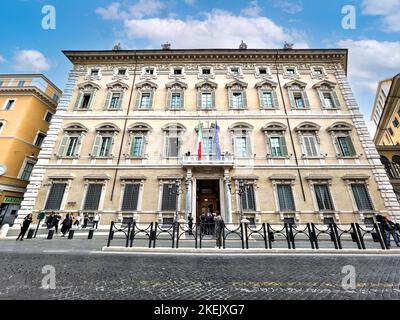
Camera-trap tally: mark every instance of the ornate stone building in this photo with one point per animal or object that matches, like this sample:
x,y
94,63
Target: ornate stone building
x,y
281,134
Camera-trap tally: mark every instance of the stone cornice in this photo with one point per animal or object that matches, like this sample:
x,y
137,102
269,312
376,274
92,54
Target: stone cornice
x,y
30,91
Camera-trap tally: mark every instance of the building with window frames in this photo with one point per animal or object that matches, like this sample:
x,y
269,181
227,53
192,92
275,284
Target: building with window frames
x,y
281,139
27,104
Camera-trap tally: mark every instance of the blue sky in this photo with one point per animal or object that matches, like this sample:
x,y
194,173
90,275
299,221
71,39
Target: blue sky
x,y
374,44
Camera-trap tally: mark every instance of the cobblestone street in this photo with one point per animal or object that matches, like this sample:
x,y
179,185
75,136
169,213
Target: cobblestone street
x,y
91,274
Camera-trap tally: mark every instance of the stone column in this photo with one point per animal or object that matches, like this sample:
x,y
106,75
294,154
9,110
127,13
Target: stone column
x,y
188,199
228,206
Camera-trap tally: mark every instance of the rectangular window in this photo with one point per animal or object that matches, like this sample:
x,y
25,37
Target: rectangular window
x,y
262,71
115,100
55,197
278,147
93,196
241,147
290,71
145,100
285,196
310,146
318,71
298,100
71,146
173,147
176,101
248,198
21,83
328,101
169,197
206,100
237,100
1,83
267,100
55,97
206,71
86,101
48,117
235,71
137,147
177,71
391,131
10,103
105,147
361,197
324,198
26,174
121,72
346,146
94,72
131,196
39,139
396,123
149,71
208,145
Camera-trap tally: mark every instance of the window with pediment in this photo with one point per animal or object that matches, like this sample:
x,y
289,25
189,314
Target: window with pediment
x,y
173,140
145,95
138,140
104,141
176,95
86,96
115,95
206,95
275,140
341,137
327,95
241,139
309,139
297,95
71,142
267,95
237,95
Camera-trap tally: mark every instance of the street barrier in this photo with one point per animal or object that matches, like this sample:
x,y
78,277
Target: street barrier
x,y
31,232
50,235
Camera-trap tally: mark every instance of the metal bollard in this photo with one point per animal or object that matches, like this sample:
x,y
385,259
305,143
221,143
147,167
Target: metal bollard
x,y
50,235
90,235
31,232
71,234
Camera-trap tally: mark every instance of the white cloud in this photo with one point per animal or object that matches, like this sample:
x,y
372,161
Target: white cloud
x,y
389,10
2,59
143,8
253,10
190,2
288,6
111,12
218,29
31,61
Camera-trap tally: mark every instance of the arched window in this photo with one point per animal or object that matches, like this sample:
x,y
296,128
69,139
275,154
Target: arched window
x,y
309,139
104,141
241,139
267,94
115,95
275,140
341,137
206,95
173,140
176,95
145,95
86,96
237,95
71,142
327,94
138,140
297,95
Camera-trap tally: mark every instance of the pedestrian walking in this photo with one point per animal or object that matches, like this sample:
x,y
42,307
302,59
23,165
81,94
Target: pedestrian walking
x,y
219,224
96,221
56,221
24,226
390,230
66,225
77,222
85,220
49,221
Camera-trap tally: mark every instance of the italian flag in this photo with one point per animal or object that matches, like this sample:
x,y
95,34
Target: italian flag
x,y
199,140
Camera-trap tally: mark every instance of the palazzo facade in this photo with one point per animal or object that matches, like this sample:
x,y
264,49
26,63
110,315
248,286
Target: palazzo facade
x,y
282,139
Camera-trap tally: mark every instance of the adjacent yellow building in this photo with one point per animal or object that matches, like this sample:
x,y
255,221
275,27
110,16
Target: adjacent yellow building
x,y
27,104
386,115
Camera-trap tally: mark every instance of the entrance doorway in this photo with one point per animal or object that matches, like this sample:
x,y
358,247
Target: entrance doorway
x,y
207,194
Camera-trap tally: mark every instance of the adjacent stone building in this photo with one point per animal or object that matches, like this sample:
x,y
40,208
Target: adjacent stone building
x,y
282,139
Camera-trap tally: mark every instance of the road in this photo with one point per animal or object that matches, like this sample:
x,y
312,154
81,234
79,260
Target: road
x,y
84,272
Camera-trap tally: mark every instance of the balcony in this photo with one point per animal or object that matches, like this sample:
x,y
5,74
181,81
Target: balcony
x,y
392,170
208,160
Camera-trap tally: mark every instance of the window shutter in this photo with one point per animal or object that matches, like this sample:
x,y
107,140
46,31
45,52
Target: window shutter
x,y
55,197
248,145
138,98
151,98
251,198
362,197
291,98
199,99
305,98
78,145
91,100
96,146
112,146
93,196
121,100
169,99
335,99
169,198
78,100
286,200
108,98
182,99
260,98
230,98
307,146
283,146
244,95
351,146
63,145
275,99
213,99
321,97
244,201
131,195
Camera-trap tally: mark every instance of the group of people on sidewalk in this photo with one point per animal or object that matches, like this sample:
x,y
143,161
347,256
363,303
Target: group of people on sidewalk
x,y
212,224
389,229
53,221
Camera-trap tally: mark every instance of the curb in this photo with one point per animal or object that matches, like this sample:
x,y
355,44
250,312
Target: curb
x,y
217,251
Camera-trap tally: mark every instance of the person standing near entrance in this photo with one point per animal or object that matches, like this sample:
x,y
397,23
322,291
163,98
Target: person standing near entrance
x,y
96,221
56,220
24,227
219,224
66,225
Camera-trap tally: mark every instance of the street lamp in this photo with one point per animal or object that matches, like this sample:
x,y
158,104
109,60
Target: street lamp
x,y
242,190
